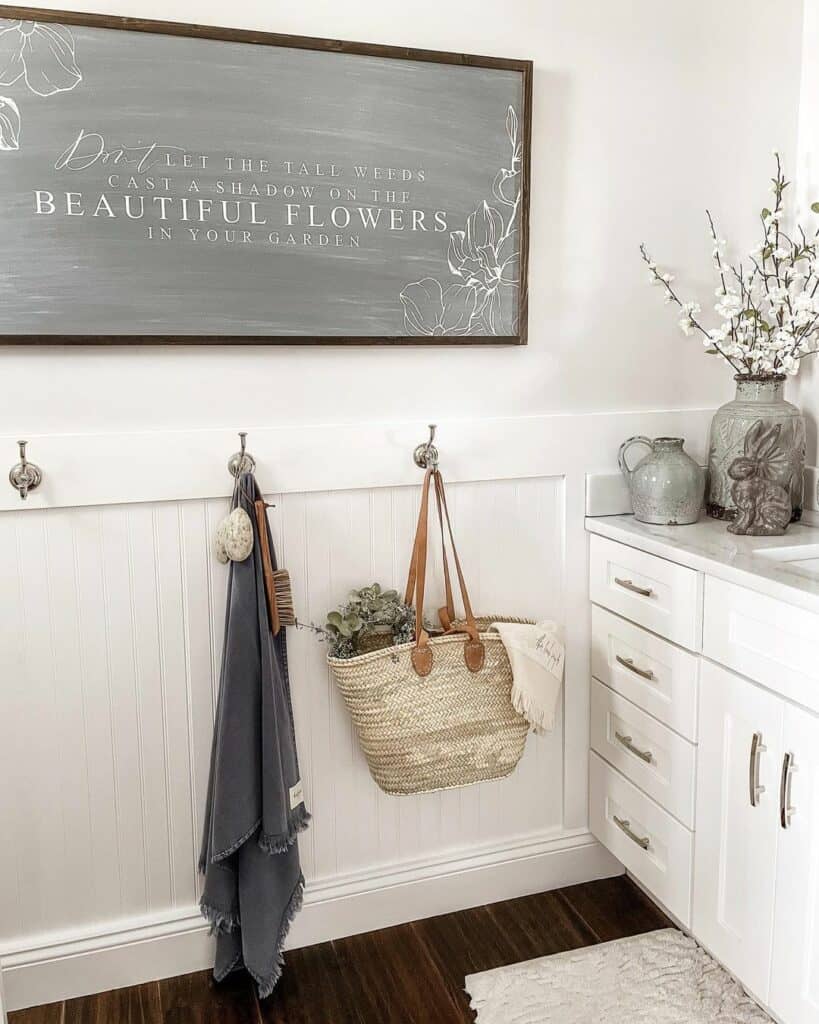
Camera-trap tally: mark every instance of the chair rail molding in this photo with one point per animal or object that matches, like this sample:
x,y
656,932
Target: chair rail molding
x,y
118,468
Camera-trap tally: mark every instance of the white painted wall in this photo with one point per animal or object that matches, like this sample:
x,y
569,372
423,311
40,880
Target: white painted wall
x,y
643,114
805,390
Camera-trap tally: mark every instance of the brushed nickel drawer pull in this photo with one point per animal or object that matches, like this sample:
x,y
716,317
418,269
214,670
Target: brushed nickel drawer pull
x,y
625,826
758,748
644,673
630,585
786,810
644,755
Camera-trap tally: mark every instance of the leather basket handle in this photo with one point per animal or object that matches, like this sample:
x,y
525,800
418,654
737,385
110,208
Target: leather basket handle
x,y
474,651
421,656
446,615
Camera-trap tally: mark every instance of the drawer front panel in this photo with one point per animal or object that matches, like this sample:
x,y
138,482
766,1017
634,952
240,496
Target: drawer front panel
x,y
656,848
655,675
647,752
765,639
660,595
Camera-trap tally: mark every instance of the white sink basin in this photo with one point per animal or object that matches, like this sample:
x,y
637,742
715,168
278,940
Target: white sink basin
x,y
801,559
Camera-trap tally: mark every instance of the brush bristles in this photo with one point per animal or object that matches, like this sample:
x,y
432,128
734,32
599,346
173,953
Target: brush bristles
x,y
284,597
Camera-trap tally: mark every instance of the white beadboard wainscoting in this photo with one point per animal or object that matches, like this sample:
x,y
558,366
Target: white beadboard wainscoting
x,y
110,642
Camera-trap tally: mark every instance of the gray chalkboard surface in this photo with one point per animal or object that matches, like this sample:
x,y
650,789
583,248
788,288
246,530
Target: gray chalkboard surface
x,y
163,182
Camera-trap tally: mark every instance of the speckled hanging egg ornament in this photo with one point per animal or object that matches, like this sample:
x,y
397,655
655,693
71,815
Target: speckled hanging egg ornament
x,y
234,537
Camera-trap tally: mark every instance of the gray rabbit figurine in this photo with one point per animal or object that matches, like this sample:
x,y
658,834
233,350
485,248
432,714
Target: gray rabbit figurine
x,y
763,504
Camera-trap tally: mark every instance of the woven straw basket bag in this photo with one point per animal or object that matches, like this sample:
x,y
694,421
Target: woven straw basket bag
x,y
435,713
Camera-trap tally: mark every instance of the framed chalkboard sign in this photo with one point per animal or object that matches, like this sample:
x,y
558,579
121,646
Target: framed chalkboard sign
x,y
177,183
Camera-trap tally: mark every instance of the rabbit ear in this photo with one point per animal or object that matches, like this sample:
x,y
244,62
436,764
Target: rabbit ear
x,y
752,438
769,442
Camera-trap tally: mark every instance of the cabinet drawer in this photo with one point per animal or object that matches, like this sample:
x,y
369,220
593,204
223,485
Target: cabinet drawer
x,y
655,675
765,639
647,752
658,850
660,595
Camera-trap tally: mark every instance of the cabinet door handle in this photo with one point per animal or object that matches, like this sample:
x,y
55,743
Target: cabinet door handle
x,y
644,673
758,748
630,585
786,811
626,741
625,826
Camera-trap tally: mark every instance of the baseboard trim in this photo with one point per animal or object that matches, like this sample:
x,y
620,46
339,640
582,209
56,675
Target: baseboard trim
x,y
139,949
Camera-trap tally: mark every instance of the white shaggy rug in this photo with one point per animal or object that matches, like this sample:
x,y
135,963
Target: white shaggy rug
x,y
659,978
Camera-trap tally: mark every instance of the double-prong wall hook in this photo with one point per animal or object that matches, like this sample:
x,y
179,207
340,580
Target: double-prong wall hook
x,y
241,461
426,455
25,476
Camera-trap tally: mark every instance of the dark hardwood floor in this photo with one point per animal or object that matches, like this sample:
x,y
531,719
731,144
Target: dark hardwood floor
x,y
411,974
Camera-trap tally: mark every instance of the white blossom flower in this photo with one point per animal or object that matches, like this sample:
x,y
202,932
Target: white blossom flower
x,y
729,306
687,311
768,315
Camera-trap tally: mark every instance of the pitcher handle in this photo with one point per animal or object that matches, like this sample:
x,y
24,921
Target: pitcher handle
x,y
624,447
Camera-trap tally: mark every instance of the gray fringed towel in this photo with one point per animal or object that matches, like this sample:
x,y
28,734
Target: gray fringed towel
x,y
250,857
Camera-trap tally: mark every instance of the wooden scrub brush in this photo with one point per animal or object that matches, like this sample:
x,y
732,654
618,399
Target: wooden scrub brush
x,y
278,589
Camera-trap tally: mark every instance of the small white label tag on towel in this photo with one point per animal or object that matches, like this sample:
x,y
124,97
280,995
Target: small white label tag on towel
x,y
550,649
296,795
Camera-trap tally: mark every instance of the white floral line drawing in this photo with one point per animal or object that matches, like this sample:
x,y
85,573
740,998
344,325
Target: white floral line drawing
x,y
485,256
40,53
9,124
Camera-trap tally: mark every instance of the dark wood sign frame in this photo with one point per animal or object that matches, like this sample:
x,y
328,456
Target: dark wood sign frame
x,y
524,67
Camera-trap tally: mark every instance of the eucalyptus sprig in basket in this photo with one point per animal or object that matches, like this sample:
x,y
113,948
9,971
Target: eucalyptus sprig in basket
x,y
370,620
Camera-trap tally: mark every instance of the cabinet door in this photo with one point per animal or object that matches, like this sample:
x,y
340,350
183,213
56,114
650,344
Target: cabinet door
x,y
740,730
795,973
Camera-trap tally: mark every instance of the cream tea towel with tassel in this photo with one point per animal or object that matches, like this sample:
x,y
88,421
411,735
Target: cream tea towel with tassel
x,y
536,654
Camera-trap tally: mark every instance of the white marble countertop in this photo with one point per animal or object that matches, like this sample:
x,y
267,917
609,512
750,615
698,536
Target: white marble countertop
x,y
708,547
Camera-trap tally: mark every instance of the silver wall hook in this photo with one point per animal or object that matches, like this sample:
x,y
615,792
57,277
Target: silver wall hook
x,y
25,476
426,455
241,461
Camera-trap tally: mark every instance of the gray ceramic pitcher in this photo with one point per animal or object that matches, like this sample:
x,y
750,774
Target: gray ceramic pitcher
x,y
667,486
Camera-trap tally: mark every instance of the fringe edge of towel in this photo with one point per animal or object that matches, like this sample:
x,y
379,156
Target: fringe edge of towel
x,y
538,717
268,982
227,920
297,822
279,844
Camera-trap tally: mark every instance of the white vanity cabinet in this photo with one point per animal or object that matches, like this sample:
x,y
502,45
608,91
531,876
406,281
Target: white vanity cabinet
x,y
756,866
740,729
705,747
794,994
